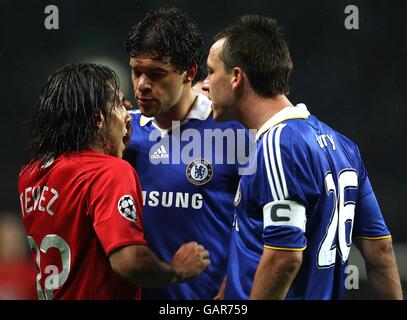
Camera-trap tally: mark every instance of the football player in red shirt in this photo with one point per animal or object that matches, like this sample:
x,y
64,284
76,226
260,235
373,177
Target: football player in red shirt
x,y
82,204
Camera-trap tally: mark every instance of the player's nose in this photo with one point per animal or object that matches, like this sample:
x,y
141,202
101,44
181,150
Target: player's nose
x,y
143,84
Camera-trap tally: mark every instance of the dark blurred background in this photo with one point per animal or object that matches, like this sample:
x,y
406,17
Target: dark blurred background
x,y
355,80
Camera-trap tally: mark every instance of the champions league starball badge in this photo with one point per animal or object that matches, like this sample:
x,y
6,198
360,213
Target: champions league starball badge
x,y
199,171
127,208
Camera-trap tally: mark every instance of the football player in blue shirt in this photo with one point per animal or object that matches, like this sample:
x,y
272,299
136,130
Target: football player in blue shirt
x,y
189,180
310,196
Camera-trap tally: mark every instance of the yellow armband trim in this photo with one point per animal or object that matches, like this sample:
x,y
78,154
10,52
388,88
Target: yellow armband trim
x,y
285,249
374,238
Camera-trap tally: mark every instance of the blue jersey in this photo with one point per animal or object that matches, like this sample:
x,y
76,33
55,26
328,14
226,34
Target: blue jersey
x,y
310,192
188,190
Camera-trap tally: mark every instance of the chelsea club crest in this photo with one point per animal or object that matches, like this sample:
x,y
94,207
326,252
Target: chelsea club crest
x,y
199,171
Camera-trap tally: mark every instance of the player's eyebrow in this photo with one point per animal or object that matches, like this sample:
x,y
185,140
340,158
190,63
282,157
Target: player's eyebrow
x,y
156,66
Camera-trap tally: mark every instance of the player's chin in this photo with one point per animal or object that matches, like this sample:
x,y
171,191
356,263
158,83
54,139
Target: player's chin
x,y
148,111
126,138
118,151
218,115
122,150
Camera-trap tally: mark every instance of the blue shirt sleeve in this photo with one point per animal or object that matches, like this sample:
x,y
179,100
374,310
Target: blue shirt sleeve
x,y
369,221
283,178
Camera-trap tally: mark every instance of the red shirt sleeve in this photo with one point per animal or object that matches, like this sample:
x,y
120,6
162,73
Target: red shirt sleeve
x,y
116,206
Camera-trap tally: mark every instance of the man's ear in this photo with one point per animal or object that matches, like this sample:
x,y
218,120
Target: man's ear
x,y
191,73
237,78
100,120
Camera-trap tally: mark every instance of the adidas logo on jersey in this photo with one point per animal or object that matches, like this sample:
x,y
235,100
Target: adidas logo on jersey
x,y
161,153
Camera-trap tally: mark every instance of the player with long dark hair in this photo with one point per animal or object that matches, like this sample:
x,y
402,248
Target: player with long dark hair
x,y
81,203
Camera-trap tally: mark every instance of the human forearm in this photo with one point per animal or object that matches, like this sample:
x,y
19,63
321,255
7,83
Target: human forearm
x,y
138,264
142,267
385,283
383,275
221,292
275,274
381,266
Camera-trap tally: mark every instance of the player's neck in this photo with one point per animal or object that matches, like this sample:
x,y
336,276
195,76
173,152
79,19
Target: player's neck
x,y
258,110
178,112
97,147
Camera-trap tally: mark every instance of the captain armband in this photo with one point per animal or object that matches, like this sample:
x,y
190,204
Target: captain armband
x,y
284,213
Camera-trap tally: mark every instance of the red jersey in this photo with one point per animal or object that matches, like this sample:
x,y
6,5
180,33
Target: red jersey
x,y
76,210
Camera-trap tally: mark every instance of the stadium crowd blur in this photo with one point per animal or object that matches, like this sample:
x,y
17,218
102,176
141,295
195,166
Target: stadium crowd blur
x,y
17,268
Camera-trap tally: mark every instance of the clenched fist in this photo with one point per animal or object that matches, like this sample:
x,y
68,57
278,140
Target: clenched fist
x,y
190,260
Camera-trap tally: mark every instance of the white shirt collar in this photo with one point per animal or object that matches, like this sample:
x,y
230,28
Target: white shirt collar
x,y
299,111
200,110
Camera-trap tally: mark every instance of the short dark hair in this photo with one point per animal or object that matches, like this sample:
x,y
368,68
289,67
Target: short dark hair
x,y
69,107
256,45
169,33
